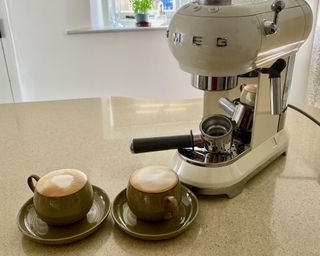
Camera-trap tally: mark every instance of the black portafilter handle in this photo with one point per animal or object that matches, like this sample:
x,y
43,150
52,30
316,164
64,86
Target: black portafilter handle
x,y
142,145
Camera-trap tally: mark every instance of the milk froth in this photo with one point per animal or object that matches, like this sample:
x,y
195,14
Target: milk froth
x,y
154,179
61,183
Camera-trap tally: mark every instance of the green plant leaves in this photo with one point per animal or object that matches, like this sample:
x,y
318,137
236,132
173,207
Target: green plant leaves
x,y
141,6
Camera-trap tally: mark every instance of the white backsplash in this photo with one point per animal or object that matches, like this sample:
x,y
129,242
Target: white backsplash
x,y
313,92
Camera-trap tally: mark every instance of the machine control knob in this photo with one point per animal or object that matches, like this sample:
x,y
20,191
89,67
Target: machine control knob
x,y
271,27
278,6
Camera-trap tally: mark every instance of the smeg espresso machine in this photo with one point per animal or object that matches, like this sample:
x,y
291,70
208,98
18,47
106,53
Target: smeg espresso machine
x,y
241,54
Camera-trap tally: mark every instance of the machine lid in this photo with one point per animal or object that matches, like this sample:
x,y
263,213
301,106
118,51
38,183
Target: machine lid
x,y
230,8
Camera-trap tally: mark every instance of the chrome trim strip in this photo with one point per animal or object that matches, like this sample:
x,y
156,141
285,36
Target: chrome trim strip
x,y
208,83
203,164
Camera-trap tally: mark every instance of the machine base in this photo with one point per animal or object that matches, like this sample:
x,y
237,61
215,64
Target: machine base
x,y
230,179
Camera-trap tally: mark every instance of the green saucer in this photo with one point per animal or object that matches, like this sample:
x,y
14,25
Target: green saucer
x,y
159,230
39,231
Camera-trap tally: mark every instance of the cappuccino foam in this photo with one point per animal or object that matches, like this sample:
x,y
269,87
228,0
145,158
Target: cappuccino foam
x,y
154,179
62,182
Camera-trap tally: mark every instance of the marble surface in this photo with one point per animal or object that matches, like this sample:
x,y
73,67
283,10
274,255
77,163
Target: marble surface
x,y
278,212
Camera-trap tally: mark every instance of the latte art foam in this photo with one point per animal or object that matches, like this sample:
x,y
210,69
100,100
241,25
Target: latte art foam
x,y
62,182
154,179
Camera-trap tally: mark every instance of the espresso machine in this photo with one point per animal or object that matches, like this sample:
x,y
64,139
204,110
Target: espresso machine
x,y
241,53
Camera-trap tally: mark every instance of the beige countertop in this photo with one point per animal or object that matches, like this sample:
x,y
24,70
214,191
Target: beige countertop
x,y
278,212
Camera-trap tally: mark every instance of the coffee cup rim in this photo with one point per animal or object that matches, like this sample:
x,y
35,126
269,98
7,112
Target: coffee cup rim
x,y
251,88
156,193
64,196
60,172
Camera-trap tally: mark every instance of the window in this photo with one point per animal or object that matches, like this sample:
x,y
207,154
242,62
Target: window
x,y
161,9
168,5
119,12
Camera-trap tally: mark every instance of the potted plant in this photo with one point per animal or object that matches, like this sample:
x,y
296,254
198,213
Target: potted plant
x,y
140,9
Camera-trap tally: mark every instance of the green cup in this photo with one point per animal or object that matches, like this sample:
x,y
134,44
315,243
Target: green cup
x,y
61,197
150,201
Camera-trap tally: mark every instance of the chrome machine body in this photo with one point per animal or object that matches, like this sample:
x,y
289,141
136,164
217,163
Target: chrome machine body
x,y
226,45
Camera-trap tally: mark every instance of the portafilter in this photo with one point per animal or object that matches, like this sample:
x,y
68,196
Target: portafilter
x,y
216,136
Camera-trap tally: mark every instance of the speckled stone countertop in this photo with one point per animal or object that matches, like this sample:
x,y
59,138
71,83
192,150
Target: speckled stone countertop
x,y
278,212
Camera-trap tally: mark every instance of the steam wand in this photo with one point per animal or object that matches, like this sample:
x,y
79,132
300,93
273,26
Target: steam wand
x,y
275,85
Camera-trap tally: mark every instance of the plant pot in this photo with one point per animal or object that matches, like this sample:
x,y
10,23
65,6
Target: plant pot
x,y
142,18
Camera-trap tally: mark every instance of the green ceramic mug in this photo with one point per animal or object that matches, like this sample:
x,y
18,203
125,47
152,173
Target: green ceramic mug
x,y
61,197
154,193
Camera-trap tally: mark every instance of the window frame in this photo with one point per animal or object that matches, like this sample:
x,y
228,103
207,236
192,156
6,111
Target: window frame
x,y
121,16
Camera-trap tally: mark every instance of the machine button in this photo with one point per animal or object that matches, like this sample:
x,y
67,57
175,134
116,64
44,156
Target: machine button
x,y
213,9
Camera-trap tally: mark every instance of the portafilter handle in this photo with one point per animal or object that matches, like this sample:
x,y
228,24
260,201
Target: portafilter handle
x,y
142,145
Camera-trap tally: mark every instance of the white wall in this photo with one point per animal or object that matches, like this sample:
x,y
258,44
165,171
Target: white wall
x,y
299,87
9,91
5,89
54,65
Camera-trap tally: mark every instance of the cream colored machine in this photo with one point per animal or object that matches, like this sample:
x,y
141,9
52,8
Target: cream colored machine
x,y
241,53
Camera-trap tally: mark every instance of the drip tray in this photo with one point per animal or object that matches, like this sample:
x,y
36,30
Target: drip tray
x,y
200,156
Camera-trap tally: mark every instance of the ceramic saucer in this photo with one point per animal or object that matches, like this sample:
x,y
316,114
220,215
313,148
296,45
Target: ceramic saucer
x,y
39,231
160,230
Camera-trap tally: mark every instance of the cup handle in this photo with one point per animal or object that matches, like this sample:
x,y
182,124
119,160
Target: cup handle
x,y
171,205
30,181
